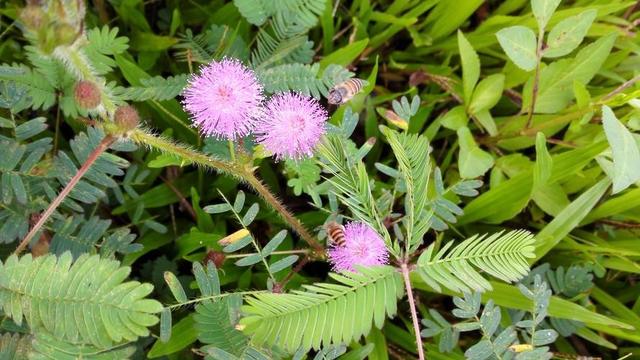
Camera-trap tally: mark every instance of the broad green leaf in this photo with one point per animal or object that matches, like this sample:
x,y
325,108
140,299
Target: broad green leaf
x,y
519,43
470,66
509,296
509,197
544,163
583,97
626,154
472,160
551,198
569,218
568,34
345,55
486,120
455,118
556,80
487,93
624,202
542,11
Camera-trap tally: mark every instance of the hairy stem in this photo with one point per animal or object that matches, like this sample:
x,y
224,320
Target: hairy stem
x,y
295,224
536,79
412,307
102,146
230,168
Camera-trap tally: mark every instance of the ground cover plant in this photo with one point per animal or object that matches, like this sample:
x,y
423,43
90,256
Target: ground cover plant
x,y
319,179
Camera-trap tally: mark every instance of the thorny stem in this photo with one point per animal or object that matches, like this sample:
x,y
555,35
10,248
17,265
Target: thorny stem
x,y
536,78
412,307
234,169
102,146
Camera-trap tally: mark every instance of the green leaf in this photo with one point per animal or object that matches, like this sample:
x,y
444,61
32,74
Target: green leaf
x,y
472,160
215,323
48,292
568,34
345,55
217,208
470,66
250,215
455,118
569,218
544,163
165,325
324,314
175,287
412,153
487,93
249,260
556,80
283,263
274,243
509,198
542,11
519,43
626,154
501,255
183,334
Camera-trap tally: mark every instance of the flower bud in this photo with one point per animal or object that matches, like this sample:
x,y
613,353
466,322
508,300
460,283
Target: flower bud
x,y
33,17
87,95
126,117
65,34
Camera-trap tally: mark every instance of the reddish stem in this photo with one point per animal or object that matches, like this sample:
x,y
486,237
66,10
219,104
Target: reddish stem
x,y
102,146
412,307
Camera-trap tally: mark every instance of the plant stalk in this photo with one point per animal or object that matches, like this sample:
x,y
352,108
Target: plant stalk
x,y
536,79
230,168
412,307
102,146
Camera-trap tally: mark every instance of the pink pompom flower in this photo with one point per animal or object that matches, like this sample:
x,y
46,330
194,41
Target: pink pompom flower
x,y
224,100
362,246
291,126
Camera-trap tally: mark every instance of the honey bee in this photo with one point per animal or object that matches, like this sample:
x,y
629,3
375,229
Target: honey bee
x,y
344,91
335,233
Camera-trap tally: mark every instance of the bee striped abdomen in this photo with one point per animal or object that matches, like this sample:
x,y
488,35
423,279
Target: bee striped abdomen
x,y
344,91
335,234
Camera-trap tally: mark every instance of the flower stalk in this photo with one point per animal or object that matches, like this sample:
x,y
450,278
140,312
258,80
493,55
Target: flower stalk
x,y
412,306
243,173
95,154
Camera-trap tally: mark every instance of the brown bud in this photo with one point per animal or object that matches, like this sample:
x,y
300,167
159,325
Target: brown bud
x,y
87,94
33,17
216,257
126,117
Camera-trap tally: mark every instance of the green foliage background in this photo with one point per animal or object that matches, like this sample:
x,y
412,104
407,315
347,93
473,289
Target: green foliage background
x,y
439,146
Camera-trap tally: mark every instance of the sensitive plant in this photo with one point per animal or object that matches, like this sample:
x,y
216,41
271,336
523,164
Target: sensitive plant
x,y
412,191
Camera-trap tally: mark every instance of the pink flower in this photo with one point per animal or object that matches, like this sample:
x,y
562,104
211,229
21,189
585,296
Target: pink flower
x,y
291,126
362,246
224,99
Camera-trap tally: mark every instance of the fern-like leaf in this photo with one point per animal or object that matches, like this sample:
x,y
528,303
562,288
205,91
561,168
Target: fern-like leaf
x,y
412,153
84,302
47,347
156,88
325,313
14,347
215,322
302,78
501,255
351,183
101,44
